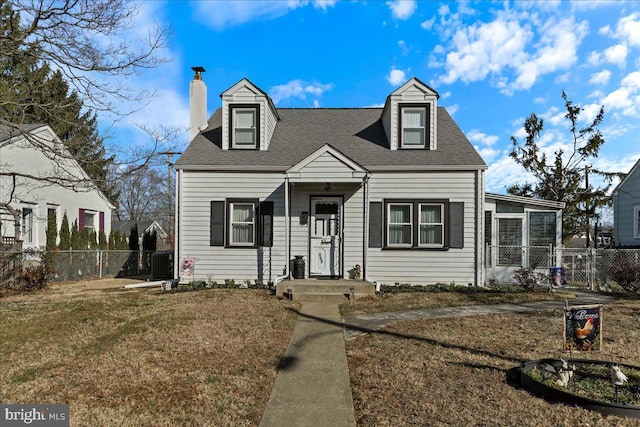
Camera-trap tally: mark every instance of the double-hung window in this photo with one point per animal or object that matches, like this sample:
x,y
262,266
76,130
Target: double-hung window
x,y
421,224
242,224
413,127
431,225
244,131
399,224
90,220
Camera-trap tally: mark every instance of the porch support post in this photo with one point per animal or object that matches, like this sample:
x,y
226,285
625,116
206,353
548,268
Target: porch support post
x,y
287,230
365,225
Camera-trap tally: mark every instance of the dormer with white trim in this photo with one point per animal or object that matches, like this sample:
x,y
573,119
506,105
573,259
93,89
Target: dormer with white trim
x,y
409,117
248,117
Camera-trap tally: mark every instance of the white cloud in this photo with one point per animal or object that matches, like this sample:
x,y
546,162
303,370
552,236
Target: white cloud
x,y
488,154
616,54
227,13
428,24
446,94
628,29
481,49
402,9
298,89
632,80
453,108
481,138
606,30
600,78
557,50
316,103
539,100
396,77
404,49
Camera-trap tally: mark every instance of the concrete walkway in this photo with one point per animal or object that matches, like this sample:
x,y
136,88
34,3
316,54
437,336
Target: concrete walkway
x,y
312,387
362,324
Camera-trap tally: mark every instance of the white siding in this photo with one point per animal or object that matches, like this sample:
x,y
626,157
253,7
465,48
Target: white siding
x,y
426,266
626,200
387,266
21,157
216,262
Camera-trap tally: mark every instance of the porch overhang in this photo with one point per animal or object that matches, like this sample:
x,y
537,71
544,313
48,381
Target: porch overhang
x,y
327,164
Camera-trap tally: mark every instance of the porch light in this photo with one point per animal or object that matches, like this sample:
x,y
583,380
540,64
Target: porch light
x,y
327,187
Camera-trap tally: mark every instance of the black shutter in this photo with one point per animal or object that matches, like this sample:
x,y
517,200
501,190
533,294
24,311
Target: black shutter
x,y
375,224
266,224
456,225
217,224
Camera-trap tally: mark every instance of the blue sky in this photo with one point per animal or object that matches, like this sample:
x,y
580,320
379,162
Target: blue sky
x,y
493,63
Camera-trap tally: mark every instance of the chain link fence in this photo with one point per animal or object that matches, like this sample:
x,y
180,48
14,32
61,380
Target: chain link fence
x,y
586,268
76,265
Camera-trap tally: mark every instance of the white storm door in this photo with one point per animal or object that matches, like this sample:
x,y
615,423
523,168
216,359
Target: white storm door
x,y
325,236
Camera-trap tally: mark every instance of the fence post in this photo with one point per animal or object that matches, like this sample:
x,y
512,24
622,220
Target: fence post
x,y
100,263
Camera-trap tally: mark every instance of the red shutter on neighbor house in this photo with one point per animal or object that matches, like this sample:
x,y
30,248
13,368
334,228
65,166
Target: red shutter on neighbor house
x,y
101,222
81,219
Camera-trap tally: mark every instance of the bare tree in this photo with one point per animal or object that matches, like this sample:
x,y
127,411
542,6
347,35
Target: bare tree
x,y
96,46
143,195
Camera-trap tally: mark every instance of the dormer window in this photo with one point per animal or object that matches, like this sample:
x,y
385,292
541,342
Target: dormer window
x,y
413,126
245,126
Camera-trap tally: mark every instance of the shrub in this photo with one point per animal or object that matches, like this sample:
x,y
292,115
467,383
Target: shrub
x,y
35,270
527,278
624,272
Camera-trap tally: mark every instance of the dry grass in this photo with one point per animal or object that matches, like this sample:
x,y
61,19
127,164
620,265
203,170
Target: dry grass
x,y
140,357
456,372
390,302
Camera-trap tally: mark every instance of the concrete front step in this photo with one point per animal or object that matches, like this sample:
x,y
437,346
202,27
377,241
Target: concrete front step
x,y
310,290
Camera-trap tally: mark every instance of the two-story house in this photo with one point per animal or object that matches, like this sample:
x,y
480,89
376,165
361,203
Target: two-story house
x,y
395,192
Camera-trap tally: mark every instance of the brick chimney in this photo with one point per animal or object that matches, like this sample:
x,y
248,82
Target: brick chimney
x,y
198,103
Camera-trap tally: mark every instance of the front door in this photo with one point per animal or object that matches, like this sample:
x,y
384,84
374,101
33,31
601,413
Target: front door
x,y
325,236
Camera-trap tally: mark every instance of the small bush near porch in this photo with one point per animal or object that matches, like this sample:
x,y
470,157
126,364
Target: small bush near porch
x,y
139,357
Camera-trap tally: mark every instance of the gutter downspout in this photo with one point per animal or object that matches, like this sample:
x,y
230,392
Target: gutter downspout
x,y
287,237
176,225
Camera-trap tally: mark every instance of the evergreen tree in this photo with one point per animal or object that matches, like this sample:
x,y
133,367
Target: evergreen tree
x,y
33,94
562,178
76,240
52,231
102,240
65,233
134,244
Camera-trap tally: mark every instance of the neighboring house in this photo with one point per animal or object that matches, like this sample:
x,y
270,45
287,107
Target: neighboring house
x,y
397,191
148,226
520,232
626,209
35,184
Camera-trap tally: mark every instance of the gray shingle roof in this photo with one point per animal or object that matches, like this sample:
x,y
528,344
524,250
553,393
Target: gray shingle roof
x,y
8,132
358,133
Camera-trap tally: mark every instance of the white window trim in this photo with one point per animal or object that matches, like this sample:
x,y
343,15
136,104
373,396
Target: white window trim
x,y
235,144
30,232
403,145
441,224
389,223
636,222
92,214
232,222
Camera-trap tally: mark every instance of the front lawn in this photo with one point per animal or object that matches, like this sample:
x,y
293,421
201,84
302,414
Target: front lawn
x,y
456,372
140,357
